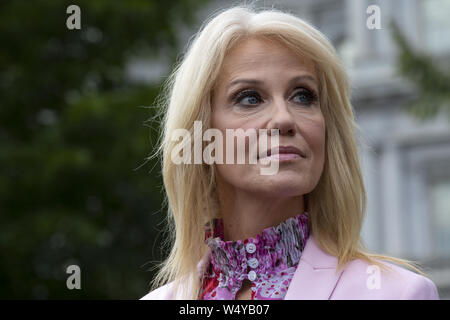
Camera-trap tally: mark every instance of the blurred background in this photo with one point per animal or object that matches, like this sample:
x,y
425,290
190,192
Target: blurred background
x,y
77,127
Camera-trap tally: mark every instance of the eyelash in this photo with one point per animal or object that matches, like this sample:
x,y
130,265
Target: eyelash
x,y
240,95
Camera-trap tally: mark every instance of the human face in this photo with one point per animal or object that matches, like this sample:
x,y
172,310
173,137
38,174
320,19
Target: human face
x,y
275,101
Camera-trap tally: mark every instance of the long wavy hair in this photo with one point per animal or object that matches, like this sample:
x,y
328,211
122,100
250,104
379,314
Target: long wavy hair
x,y
337,203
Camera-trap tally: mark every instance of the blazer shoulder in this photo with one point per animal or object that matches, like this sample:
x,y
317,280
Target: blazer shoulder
x,y
162,293
396,283
420,288
414,286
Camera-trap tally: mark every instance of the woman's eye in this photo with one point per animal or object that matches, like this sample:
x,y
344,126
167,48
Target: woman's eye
x,y
305,96
247,98
252,98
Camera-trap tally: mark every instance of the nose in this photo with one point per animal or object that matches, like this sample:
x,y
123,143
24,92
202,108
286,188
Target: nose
x,y
282,120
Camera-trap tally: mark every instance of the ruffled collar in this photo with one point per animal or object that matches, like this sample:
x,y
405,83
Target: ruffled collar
x,y
275,248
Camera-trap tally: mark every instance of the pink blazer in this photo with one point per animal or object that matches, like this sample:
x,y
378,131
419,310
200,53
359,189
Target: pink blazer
x,y
316,279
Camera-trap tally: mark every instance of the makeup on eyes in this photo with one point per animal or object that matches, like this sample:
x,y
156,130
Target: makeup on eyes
x,y
245,92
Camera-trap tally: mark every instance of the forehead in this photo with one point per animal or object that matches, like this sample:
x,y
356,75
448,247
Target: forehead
x,y
260,55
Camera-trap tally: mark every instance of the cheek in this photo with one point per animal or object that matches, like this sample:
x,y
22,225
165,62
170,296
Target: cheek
x,y
314,133
235,173
240,176
224,121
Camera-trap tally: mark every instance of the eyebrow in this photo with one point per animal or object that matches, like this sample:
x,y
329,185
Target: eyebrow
x,y
259,82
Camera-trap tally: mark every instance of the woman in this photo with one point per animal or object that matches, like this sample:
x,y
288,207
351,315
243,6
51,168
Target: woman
x,y
295,234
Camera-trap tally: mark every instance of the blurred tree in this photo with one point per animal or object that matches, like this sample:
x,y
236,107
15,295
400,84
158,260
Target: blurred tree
x,y
432,80
72,140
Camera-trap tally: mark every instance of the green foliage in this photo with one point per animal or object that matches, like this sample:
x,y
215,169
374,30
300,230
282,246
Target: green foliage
x,y
74,188
432,80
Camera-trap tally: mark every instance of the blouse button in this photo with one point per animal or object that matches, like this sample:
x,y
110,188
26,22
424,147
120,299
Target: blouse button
x,y
251,275
251,247
253,262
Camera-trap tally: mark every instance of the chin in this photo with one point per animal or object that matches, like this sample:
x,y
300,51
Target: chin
x,y
283,187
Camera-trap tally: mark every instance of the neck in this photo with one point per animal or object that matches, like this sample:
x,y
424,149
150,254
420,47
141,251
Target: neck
x,y
246,215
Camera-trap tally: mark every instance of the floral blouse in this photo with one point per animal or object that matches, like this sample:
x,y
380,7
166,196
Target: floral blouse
x,y
268,260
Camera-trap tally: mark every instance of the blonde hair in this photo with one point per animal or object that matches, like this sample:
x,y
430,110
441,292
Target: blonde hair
x,y
336,205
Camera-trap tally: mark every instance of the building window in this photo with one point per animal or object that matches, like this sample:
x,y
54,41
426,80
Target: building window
x,y
436,25
440,206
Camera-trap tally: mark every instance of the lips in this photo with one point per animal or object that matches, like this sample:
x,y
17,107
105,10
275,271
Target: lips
x,y
283,150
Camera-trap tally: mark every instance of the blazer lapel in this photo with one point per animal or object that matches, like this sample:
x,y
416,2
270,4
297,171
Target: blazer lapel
x,y
315,277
